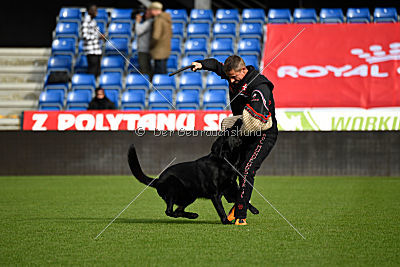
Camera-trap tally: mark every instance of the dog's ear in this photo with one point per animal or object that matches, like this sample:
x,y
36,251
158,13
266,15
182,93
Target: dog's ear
x,y
220,148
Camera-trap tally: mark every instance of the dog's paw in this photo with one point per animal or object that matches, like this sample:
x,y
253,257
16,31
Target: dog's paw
x,y
192,215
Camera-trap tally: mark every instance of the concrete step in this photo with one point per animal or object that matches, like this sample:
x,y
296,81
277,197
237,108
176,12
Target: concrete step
x,y
11,51
23,60
21,78
14,108
20,91
10,124
22,69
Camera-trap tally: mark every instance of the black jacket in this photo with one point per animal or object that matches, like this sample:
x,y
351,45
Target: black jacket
x,y
103,103
253,92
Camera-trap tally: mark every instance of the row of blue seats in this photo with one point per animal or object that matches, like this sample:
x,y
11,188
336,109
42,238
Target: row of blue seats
x,y
195,46
123,29
136,81
180,15
162,99
116,63
300,15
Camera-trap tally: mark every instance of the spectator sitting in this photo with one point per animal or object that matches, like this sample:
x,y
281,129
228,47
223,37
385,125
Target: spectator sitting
x,y
100,101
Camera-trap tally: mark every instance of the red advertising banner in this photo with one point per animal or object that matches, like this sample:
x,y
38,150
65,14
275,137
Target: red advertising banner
x,y
334,65
120,120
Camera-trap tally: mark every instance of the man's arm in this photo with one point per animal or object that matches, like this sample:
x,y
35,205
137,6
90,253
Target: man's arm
x,y
142,27
210,64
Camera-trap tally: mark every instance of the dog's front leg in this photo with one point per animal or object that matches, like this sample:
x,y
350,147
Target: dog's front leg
x,y
216,200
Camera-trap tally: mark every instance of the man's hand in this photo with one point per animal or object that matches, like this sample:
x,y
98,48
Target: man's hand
x,y
197,66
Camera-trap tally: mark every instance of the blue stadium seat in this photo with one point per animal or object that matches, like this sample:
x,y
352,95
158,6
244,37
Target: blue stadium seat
x,y
51,101
187,60
331,15
120,29
305,15
221,58
222,46
178,30
67,30
59,90
160,100
224,30
137,81
133,100
214,100
113,64
385,14
191,80
251,60
178,15
55,86
176,46
102,27
198,30
133,66
81,64
121,15
118,45
197,46
63,46
113,95
83,81
112,80
134,47
251,30
227,15
249,46
68,14
188,100
172,63
163,81
215,82
202,15
78,100
279,16
358,15
253,15
59,63
102,16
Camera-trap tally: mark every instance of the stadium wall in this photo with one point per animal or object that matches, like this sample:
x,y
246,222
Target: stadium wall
x,y
104,153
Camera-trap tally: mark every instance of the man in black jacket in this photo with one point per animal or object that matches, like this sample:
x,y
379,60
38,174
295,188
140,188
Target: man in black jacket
x,y
252,101
100,101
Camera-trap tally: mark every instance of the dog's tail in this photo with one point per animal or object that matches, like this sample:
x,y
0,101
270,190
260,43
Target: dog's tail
x,y
137,170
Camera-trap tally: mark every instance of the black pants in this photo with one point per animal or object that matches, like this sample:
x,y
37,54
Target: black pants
x,y
94,64
160,66
255,150
145,64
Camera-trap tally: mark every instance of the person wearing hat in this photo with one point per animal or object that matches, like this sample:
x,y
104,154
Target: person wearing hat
x,y
160,45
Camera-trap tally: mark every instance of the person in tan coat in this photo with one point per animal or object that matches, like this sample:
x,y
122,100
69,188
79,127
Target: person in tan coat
x,y
160,45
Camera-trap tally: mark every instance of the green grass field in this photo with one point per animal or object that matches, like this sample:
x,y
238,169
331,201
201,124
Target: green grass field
x,y
54,220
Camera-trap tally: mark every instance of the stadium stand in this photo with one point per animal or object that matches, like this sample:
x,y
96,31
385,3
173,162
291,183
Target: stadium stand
x,y
78,100
195,37
49,101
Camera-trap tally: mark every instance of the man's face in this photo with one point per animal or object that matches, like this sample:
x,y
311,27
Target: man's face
x,y
93,11
100,94
236,76
155,12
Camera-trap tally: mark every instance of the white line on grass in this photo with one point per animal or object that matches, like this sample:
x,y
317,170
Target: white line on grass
x,y
133,200
265,199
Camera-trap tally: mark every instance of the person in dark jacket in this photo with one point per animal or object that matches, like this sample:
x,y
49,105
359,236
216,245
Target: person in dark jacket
x,y
252,101
100,101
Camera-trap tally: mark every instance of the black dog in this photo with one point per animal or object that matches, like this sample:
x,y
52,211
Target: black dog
x,y
208,177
